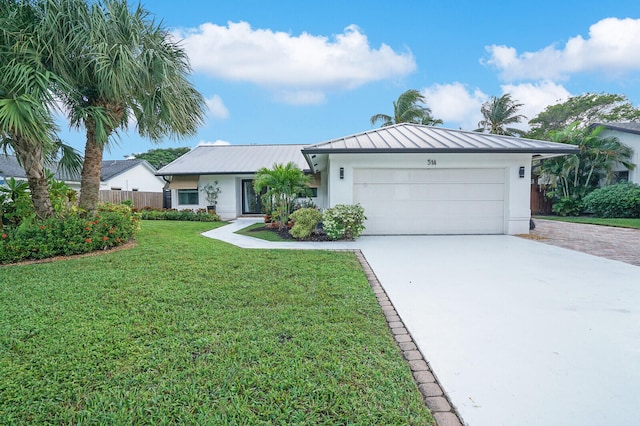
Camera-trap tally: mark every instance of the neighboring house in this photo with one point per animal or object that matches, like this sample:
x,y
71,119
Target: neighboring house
x,y
130,175
126,175
628,134
410,179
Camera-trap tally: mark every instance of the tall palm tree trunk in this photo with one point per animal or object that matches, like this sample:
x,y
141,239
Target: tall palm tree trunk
x,y
31,157
91,170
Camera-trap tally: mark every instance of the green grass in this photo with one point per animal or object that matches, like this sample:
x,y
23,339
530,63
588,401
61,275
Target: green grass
x,y
182,329
267,235
621,223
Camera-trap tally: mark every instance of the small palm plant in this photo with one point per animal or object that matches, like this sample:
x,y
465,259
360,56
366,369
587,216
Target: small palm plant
x,y
284,183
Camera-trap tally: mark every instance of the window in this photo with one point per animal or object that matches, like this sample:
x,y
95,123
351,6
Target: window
x,y
188,196
116,188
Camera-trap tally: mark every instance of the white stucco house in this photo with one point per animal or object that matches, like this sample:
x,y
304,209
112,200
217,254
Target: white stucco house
x,y
125,175
410,179
130,175
628,134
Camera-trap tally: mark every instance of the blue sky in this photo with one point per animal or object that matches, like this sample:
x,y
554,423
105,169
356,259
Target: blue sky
x,y
305,72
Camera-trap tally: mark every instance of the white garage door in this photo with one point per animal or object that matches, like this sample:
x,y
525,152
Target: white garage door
x,y
431,201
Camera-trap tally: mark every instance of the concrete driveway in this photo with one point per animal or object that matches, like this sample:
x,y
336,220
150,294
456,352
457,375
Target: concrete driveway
x,y
516,331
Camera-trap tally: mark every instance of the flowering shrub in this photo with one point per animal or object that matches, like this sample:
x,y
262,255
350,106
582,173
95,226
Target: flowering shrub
x,y
200,215
305,221
343,221
112,225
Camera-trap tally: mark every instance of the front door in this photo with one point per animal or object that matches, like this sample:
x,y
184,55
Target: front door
x,y
250,200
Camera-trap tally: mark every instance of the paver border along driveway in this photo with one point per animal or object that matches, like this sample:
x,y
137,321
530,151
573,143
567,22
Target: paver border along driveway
x,y
517,332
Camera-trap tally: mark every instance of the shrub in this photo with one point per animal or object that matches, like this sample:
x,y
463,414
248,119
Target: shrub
x,y
305,221
567,206
344,221
200,215
111,225
619,200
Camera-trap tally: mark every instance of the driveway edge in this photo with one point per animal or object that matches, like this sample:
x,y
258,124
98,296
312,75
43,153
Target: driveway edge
x,y
434,396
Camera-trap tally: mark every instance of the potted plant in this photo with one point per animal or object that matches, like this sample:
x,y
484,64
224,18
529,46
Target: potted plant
x,y
212,191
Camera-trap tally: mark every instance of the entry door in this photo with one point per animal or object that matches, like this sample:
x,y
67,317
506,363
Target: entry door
x,y
251,203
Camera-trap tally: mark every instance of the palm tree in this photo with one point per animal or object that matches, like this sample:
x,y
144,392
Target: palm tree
x,y
123,68
407,110
26,98
284,183
499,113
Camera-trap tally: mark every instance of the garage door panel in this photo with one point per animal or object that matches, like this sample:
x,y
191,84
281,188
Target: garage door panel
x,y
375,176
392,206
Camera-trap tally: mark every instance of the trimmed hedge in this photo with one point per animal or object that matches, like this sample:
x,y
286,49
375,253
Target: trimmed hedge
x,y
111,226
200,215
344,221
619,200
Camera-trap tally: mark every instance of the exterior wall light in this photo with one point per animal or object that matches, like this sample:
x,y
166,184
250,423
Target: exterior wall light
x,y
521,172
341,172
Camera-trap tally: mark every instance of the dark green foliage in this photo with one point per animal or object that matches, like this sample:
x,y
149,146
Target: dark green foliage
x,y
200,215
499,113
160,157
111,225
409,108
619,200
305,221
585,109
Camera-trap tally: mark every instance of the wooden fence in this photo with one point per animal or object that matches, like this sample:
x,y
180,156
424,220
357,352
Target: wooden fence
x,y
540,204
140,199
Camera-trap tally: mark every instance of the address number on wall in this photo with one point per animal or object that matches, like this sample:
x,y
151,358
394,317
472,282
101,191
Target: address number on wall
x,y
431,162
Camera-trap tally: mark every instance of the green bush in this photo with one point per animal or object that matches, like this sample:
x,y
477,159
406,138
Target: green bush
x,y
200,215
567,206
343,221
305,221
111,225
619,200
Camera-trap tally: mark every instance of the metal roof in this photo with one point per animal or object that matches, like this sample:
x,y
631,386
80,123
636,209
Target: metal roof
x,y
622,127
111,168
409,138
233,159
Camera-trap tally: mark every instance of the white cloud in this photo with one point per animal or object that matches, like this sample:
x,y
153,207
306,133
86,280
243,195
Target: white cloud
x,y
535,97
217,109
301,68
456,104
612,47
217,142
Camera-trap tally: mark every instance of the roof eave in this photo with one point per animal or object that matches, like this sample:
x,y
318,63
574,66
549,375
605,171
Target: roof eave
x,y
311,151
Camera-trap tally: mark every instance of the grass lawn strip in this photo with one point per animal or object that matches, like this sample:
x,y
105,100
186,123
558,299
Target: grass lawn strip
x,y
185,329
616,222
264,234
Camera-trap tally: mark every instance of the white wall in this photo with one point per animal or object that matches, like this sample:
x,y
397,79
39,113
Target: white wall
x,y
632,141
517,190
139,178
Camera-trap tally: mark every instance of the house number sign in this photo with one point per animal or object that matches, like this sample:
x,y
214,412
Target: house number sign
x,y
431,162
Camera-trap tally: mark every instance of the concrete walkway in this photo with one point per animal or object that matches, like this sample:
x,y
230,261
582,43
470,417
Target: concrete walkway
x,y
517,332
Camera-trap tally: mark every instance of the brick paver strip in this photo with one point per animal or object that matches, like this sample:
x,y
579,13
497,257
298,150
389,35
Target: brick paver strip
x,y
619,244
435,398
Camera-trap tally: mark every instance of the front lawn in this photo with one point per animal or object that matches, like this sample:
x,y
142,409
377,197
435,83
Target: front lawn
x,y
182,329
622,223
258,230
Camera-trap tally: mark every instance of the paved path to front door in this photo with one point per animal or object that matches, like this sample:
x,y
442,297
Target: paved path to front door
x,y
517,332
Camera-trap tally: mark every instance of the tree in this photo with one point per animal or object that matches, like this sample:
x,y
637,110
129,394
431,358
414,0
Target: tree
x,y
27,98
284,183
160,157
121,65
572,177
407,109
585,110
498,113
